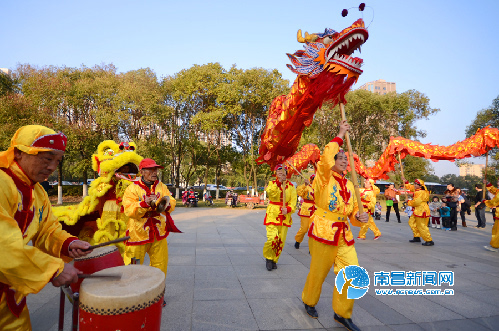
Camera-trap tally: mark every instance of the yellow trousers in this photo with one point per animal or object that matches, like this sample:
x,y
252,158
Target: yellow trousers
x,y
9,321
323,258
419,226
369,225
304,226
276,238
158,254
494,242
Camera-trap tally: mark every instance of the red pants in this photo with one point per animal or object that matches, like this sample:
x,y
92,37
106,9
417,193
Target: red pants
x,y
435,219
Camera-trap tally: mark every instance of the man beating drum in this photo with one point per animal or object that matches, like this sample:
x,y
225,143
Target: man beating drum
x,y
26,215
148,203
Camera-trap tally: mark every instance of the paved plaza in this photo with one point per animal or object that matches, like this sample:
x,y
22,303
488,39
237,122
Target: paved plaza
x,y
217,279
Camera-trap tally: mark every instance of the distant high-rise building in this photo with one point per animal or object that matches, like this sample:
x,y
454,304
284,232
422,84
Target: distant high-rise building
x,y
379,86
6,71
471,169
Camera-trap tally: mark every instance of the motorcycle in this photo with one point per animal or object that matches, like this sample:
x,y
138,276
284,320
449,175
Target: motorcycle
x,y
192,199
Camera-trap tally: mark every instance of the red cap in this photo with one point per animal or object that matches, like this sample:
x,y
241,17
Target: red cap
x,y
56,141
281,166
149,163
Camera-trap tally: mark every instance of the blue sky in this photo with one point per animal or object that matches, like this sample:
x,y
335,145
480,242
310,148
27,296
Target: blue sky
x,y
447,50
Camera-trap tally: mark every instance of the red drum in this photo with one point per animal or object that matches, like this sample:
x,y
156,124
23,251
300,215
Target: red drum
x,y
133,302
100,258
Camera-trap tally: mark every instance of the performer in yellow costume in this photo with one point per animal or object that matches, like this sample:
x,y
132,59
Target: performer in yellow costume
x,y
368,197
421,212
278,217
494,203
330,237
148,227
26,215
307,209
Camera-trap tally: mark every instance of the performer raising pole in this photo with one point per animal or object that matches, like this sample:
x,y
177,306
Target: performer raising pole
x,y
330,237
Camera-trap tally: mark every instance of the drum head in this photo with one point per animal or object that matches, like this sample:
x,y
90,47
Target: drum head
x,y
98,252
139,287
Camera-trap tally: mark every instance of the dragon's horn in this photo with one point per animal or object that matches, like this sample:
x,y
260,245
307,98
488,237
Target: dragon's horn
x,y
310,37
299,37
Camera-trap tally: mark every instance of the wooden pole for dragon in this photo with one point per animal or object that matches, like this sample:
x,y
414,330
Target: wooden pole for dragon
x,y
485,175
401,167
352,162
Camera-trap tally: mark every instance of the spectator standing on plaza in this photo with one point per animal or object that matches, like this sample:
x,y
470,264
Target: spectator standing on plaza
x,y
391,201
445,215
377,211
434,212
479,207
450,198
465,206
408,209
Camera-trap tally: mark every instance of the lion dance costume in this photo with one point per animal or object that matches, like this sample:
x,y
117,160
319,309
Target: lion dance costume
x,y
494,203
368,197
26,215
277,224
330,237
421,213
100,217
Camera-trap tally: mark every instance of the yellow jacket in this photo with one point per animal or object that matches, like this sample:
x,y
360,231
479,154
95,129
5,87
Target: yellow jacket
x,y
308,205
420,201
368,198
145,225
334,199
274,215
494,202
26,215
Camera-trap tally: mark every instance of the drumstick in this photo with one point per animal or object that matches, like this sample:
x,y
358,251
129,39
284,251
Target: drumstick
x,y
96,276
107,243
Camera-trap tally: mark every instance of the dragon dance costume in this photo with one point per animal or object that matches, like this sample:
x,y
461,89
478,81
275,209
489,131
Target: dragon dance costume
x,y
277,224
306,210
421,212
368,198
26,215
147,228
494,203
330,237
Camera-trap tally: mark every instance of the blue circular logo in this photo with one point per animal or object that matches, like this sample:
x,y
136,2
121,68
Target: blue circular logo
x,y
359,281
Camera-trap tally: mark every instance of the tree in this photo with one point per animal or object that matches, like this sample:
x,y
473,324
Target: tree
x,y
256,88
374,118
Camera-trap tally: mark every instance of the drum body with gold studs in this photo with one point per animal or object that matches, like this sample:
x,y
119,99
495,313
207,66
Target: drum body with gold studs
x,y
132,302
100,258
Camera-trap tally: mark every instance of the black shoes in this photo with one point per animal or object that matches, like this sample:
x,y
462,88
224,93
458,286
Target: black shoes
x,y
400,222
428,243
453,228
297,245
269,264
311,311
415,240
346,322
274,265
387,221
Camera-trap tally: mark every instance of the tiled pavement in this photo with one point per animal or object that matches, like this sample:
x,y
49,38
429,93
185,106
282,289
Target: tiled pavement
x,y
217,279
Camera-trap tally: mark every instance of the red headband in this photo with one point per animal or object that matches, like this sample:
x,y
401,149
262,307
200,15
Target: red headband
x,y
281,166
57,141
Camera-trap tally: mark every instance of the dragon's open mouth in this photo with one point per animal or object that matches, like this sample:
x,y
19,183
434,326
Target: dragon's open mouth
x,y
348,41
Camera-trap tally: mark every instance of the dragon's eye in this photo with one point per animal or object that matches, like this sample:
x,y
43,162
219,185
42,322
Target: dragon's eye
x,y
109,152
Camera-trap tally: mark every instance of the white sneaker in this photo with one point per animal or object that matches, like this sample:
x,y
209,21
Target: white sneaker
x,y
438,226
490,248
433,225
